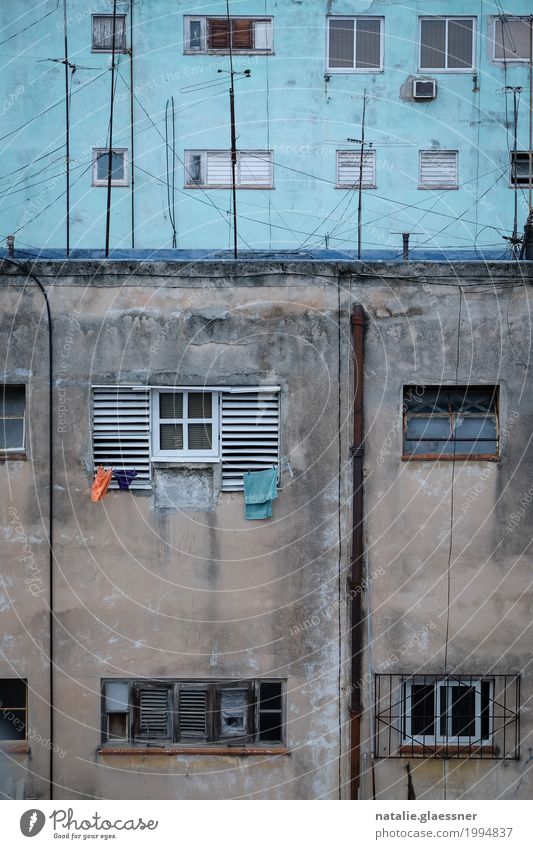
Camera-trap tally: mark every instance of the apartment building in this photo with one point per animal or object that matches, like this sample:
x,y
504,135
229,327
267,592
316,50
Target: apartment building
x,y
159,644
438,93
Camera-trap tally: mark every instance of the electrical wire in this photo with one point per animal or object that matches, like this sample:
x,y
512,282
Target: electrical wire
x,y
33,23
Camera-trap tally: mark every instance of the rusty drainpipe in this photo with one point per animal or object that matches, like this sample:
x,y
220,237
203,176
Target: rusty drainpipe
x,y
358,330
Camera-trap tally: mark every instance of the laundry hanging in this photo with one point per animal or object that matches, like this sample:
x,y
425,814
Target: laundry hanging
x,y
124,477
101,483
260,490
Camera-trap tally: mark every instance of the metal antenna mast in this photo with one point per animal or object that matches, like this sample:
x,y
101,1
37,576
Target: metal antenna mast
x,y
361,142
67,127
110,151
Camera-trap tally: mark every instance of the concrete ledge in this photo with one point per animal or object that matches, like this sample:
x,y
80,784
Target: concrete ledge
x,y
192,750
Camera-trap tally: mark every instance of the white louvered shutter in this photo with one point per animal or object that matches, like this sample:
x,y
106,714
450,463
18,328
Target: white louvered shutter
x,y
192,722
250,434
349,165
218,169
121,431
262,35
255,168
438,169
153,712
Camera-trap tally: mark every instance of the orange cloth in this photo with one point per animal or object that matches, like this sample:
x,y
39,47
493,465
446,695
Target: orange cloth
x,y
101,483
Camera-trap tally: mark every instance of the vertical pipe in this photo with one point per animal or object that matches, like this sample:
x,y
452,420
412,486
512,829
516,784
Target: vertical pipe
x,y
530,157
358,329
110,153
132,132
67,129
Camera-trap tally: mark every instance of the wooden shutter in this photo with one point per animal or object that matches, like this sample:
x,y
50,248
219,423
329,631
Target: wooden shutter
x,y
121,431
255,168
250,433
348,168
218,169
438,169
242,34
193,714
153,712
218,34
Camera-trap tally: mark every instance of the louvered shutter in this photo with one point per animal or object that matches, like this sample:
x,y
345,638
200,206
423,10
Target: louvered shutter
x,y
250,433
218,34
348,168
242,34
218,169
262,35
255,168
153,712
438,169
121,431
193,714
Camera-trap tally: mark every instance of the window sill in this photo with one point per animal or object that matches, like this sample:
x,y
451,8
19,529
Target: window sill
x,y
224,52
6,457
493,458
446,751
229,186
438,188
15,748
240,751
354,71
184,464
354,186
446,71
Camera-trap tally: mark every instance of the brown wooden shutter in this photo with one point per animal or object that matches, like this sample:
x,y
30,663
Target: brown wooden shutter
x,y
242,35
218,38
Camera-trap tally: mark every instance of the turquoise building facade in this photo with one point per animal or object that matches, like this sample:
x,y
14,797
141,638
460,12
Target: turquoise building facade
x,y
436,166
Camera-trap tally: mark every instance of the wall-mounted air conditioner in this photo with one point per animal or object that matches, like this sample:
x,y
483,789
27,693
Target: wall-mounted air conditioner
x,y
424,89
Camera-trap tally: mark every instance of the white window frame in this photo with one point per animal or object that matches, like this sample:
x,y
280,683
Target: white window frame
x,y
188,154
447,18
438,187
109,49
510,18
212,454
372,156
203,19
355,18
98,152
437,739
21,448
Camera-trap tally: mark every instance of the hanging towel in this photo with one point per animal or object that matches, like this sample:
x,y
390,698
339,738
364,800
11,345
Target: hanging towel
x,y
260,490
124,477
101,483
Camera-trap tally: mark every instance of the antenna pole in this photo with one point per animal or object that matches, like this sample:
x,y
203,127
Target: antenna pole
x,y
110,152
233,136
360,194
67,127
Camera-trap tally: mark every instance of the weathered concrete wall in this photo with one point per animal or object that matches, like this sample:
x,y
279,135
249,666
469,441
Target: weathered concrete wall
x,y
144,590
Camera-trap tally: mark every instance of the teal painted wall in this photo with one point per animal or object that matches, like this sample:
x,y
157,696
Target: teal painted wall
x,y
288,105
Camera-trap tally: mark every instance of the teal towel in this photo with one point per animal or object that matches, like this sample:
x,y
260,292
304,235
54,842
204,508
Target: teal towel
x,y
260,489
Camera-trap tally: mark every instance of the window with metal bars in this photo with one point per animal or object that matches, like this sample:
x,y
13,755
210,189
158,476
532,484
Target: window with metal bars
x,y
13,710
447,716
217,35
236,426
193,712
450,422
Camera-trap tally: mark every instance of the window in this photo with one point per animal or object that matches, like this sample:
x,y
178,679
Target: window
x,y
103,33
185,424
521,168
355,44
439,169
119,166
244,35
12,419
193,712
236,426
13,710
446,44
447,422
349,169
437,715
212,169
512,39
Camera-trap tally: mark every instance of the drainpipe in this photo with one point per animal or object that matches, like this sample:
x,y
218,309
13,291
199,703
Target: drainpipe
x,y
356,631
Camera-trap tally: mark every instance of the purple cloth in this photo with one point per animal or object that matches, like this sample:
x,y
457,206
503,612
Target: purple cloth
x,y
124,477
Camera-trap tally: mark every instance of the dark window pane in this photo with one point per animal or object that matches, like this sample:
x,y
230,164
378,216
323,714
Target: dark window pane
x,y
195,168
460,43
12,724
485,709
13,401
171,437
270,727
341,43
433,43
473,428
367,44
171,405
11,433
200,437
429,447
270,696
117,725
463,711
423,399
12,693
512,39
422,710
195,35
117,165
200,405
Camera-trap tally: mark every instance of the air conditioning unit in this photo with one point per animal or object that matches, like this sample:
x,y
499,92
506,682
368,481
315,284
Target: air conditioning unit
x,y
424,89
